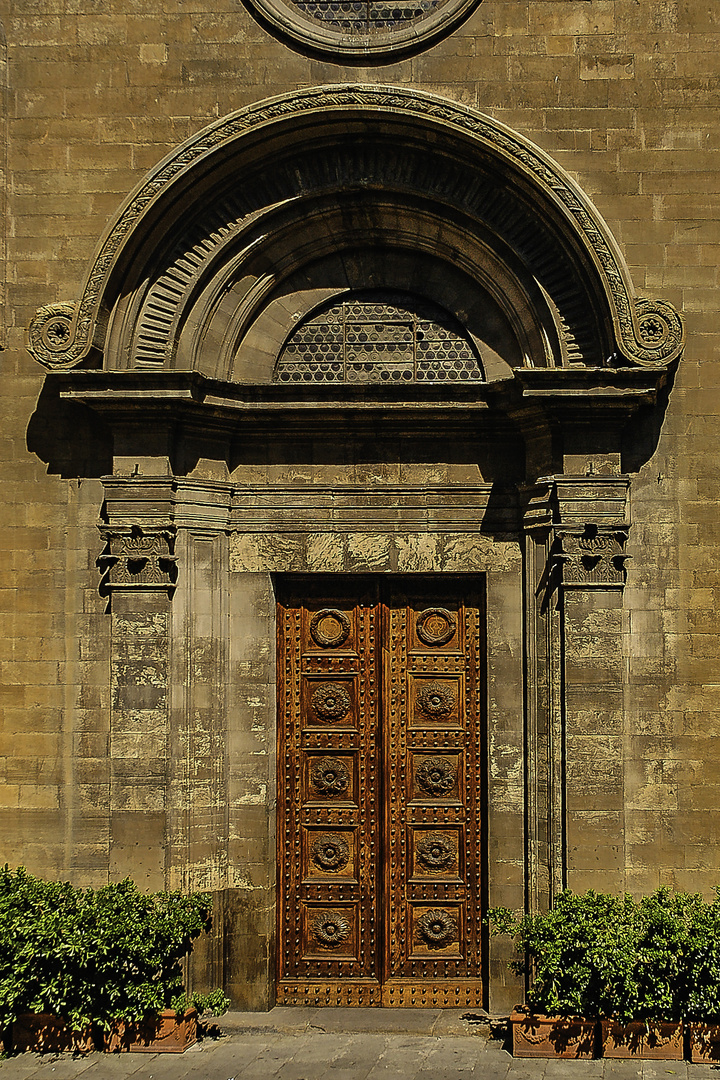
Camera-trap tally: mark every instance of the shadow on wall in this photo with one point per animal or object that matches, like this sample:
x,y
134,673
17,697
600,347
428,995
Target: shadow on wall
x,y
75,443
642,435
72,440
239,951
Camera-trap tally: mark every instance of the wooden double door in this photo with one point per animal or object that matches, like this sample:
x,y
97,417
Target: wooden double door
x,y
380,791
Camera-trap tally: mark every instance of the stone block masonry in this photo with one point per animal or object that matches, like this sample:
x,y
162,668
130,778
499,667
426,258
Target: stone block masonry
x,y
137,725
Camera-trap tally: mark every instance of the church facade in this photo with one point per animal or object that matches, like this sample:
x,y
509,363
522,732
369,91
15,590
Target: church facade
x,y
360,556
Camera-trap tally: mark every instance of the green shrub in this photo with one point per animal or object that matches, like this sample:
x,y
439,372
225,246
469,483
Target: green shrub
x,y
92,956
214,1003
657,978
701,963
611,956
565,951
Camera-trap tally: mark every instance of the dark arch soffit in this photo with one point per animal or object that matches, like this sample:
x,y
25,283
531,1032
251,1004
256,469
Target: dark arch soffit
x,y
646,332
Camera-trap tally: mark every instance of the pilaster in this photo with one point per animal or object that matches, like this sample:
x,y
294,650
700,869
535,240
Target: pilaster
x,y
576,529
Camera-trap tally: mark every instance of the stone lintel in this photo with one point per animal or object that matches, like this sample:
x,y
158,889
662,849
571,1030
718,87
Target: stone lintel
x,y
151,503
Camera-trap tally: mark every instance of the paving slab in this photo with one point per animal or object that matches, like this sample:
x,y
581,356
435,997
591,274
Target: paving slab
x,y
344,1044
401,1021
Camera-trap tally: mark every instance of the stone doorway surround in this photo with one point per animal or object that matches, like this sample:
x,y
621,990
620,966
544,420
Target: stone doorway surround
x,y
224,479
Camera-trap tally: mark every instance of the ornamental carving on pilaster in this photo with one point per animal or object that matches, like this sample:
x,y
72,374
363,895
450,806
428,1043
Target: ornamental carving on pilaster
x,y
591,556
136,558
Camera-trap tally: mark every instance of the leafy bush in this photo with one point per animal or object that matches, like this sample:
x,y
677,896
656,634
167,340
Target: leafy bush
x,y
214,1003
701,965
92,956
565,951
612,956
658,977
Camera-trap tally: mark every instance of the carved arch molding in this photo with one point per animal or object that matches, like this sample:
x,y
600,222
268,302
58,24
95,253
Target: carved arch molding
x,y
286,212
325,175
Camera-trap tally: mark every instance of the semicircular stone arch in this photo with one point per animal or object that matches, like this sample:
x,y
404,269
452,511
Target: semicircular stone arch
x,y
220,228
233,327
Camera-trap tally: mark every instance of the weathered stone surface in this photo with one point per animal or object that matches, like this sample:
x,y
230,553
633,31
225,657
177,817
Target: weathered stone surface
x,y
138,725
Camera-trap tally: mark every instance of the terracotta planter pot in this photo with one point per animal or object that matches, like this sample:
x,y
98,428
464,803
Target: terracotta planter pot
x,y
45,1033
704,1042
537,1036
656,1040
166,1033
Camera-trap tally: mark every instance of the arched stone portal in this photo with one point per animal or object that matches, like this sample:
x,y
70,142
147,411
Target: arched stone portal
x,y
468,351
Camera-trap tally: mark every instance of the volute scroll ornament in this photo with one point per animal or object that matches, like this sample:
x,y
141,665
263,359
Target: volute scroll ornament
x,y
51,336
660,333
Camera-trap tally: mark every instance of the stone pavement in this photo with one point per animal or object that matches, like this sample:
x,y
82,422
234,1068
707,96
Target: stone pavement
x,y
343,1044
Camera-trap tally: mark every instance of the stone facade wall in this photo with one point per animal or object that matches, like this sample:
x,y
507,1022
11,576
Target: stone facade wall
x,y
625,97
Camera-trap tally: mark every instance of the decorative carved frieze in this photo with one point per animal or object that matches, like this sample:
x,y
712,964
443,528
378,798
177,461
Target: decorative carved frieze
x,y
135,558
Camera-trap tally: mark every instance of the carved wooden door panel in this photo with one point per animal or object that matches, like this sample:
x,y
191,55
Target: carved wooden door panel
x,y
432,705
328,795
379,793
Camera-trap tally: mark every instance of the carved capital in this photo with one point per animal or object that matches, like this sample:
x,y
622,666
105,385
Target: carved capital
x,y
591,556
136,558
579,527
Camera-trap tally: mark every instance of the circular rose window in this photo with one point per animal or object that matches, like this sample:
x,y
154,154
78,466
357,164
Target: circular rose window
x,y
365,28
